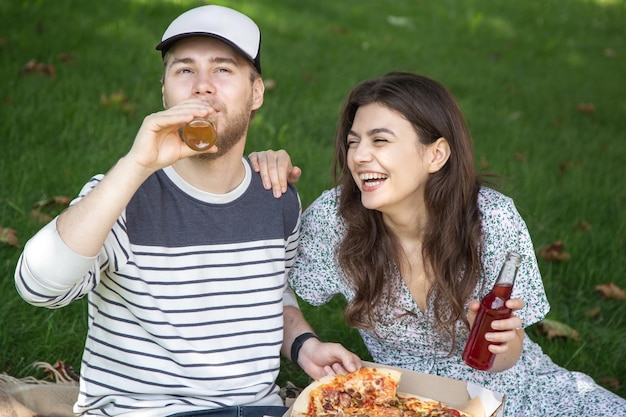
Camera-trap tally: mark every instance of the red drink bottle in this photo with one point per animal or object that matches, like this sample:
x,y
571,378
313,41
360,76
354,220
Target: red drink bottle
x,y
476,353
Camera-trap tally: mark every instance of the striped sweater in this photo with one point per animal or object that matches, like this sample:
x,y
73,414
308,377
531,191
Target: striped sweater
x,y
185,298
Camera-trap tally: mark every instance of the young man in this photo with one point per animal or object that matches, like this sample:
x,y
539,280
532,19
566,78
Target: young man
x,y
184,254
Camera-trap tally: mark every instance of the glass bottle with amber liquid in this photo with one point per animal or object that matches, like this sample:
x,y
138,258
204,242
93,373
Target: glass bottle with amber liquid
x,y
476,353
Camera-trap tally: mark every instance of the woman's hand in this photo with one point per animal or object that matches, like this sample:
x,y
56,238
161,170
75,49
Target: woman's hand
x,y
507,335
275,169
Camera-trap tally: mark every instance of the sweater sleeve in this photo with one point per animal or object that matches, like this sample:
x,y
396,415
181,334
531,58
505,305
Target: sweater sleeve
x,y
291,245
49,273
289,298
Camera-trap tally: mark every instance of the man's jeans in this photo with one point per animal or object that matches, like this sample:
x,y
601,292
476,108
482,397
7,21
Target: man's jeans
x,y
238,411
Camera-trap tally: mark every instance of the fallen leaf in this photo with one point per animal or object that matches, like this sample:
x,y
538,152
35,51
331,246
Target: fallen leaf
x,y
610,53
609,381
593,312
65,57
554,252
569,164
611,291
484,164
44,211
117,101
34,66
270,83
40,217
9,236
514,116
553,328
309,76
54,202
583,225
496,56
520,156
337,30
60,372
586,108
400,21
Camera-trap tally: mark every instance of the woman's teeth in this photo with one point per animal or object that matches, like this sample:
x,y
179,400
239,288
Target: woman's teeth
x,y
373,179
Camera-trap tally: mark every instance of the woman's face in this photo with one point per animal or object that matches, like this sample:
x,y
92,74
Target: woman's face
x,y
387,161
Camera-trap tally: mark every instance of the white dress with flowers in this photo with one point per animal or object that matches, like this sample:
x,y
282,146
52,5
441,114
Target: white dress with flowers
x,y
535,386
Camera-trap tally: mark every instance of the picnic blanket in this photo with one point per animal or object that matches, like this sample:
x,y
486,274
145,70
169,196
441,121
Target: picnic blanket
x,y
55,397
31,397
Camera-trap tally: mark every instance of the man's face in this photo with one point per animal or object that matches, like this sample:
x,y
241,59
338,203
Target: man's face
x,y
206,68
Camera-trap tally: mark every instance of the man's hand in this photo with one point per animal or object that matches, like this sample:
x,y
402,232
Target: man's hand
x,y
319,359
276,170
158,143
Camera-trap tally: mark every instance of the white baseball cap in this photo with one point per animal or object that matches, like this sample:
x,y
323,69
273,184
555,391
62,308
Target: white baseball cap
x,y
228,25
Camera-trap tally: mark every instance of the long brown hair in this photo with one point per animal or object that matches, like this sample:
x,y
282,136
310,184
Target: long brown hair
x,y
369,253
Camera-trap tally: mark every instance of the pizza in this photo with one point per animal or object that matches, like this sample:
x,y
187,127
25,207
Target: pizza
x,y
368,392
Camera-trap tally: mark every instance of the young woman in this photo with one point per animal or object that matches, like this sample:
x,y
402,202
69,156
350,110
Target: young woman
x,y
412,238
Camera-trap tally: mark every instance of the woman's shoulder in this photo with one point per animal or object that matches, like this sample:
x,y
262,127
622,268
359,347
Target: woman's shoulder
x,y
497,208
492,201
490,197
326,203
323,212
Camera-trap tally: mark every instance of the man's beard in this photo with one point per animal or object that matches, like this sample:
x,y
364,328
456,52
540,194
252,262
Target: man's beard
x,y
236,130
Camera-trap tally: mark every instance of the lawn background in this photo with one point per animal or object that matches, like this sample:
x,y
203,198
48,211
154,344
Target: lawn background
x,y
542,83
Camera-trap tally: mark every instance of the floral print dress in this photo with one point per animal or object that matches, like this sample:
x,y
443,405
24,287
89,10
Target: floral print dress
x,y
535,386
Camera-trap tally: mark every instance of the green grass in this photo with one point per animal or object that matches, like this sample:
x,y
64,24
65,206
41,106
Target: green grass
x,y
520,70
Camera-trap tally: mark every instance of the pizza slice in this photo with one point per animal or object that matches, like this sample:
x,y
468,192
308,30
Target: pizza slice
x,y
368,392
334,394
415,405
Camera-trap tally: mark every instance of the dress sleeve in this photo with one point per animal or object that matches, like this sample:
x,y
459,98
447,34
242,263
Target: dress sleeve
x,y
505,230
315,276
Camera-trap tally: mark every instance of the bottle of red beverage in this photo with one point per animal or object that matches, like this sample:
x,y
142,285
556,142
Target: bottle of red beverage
x,y
476,353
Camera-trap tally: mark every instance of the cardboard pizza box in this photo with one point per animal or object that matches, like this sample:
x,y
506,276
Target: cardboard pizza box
x,y
452,392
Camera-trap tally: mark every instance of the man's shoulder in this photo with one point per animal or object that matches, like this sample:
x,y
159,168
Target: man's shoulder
x,y
291,196
289,199
260,203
